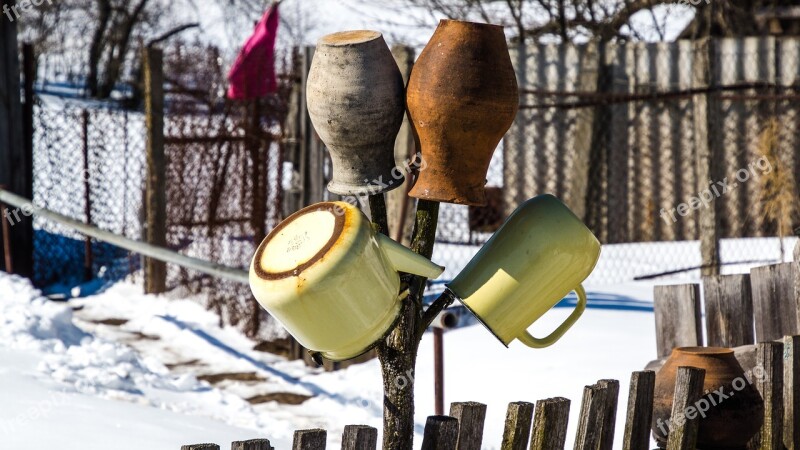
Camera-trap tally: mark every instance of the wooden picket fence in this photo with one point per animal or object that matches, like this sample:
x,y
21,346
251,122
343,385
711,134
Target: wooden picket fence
x,y
740,310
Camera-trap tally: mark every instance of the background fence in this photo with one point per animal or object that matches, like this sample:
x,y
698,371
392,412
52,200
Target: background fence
x,y
618,131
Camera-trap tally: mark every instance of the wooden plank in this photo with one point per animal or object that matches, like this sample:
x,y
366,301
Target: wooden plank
x,y
640,411
729,310
588,74
684,419
155,272
677,315
791,392
550,424
252,444
612,142
774,301
200,447
470,416
770,385
441,433
359,437
706,132
590,427
517,431
399,204
610,413
310,439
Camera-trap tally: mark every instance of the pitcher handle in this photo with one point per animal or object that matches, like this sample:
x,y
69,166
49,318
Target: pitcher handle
x,y
527,339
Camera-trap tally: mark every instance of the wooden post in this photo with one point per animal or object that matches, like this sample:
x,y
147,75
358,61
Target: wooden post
x,y
398,352
16,170
88,258
775,301
729,310
770,385
310,439
517,431
359,437
688,389
155,272
791,392
610,413
588,81
678,320
707,142
253,444
438,371
640,411
401,214
312,157
590,428
441,433
550,424
470,416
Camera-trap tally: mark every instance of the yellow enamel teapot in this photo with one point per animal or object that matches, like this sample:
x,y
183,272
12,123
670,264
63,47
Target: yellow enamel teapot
x,y
332,280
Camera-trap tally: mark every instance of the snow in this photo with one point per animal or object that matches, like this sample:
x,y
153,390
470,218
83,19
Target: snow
x,y
138,371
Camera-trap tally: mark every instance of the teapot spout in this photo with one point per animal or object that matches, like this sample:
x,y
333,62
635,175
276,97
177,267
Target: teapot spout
x,y
404,260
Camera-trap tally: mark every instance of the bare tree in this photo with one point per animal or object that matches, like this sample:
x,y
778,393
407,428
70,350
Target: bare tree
x,y
573,20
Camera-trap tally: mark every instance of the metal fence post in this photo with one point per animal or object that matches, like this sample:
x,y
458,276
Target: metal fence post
x,y
155,272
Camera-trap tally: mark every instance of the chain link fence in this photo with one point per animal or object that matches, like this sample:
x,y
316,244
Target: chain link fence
x,y
89,165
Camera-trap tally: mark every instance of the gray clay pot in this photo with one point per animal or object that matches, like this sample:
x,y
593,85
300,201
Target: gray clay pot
x,y
356,103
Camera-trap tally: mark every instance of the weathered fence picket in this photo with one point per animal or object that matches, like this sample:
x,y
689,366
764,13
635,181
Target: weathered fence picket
x,y
470,416
359,437
590,426
609,413
518,426
253,444
441,433
550,424
640,411
791,392
729,310
688,389
770,385
774,304
678,319
310,439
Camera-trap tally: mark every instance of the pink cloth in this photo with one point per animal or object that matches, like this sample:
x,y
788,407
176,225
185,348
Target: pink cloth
x,y
253,73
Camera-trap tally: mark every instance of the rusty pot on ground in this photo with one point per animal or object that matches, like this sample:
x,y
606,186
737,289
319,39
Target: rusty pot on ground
x,y
462,97
356,103
734,410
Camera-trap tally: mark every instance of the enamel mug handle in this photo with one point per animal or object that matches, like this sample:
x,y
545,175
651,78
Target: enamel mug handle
x,y
533,342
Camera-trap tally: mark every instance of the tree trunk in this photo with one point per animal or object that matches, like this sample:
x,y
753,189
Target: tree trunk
x,y
398,354
121,44
398,357
97,46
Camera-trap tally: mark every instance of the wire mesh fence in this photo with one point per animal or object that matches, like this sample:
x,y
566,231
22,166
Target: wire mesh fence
x,y
88,165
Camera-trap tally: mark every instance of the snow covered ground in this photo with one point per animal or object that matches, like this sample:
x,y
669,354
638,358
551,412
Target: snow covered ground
x,y
148,372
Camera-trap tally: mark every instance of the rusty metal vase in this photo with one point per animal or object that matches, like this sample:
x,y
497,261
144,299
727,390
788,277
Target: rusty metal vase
x,y
462,97
732,415
355,97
